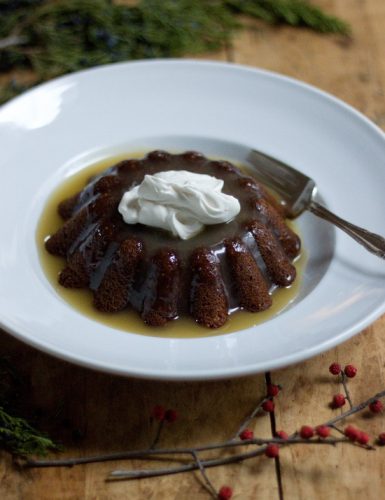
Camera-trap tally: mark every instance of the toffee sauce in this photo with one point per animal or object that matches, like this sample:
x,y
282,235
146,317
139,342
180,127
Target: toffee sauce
x,y
129,320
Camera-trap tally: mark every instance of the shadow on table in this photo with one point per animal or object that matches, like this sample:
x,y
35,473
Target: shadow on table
x,y
105,413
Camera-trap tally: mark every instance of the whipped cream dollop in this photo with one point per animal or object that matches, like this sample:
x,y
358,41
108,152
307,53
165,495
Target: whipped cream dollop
x,y
179,201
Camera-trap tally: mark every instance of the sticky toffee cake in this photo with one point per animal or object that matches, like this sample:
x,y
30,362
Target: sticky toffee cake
x,y
224,267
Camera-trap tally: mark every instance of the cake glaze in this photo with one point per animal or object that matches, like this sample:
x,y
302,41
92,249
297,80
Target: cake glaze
x,y
226,267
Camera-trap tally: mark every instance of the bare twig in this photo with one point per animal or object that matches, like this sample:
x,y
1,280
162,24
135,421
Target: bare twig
x,y
340,431
157,436
202,464
346,390
138,454
247,421
136,474
355,409
209,485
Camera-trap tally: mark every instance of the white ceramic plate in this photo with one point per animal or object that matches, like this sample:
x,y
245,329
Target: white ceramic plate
x,y
59,127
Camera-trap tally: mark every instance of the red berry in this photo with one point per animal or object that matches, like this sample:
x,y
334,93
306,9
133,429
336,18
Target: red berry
x,y
338,400
273,390
268,406
246,434
363,438
323,431
376,406
352,433
381,439
170,416
306,432
158,412
272,450
282,435
335,369
225,493
350,371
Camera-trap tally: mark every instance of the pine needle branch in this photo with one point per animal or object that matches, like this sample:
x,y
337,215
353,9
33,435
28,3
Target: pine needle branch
x,y
20,438
54,37
17,436
293,12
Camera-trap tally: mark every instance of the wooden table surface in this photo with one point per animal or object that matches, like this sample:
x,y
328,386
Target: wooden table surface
x,y
109,413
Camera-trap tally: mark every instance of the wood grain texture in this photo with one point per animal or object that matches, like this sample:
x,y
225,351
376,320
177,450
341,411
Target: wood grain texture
x,y
96,413
347,471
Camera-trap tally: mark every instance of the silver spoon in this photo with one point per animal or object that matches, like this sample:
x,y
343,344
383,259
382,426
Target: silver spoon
x,y
298,191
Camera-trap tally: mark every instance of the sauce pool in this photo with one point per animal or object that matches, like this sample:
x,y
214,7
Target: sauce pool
x,y
129,320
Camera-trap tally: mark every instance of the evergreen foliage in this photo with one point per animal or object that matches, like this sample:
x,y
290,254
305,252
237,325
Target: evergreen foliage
x,y
54,37
19,438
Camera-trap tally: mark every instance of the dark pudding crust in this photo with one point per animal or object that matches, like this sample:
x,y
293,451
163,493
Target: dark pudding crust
x,y
226,267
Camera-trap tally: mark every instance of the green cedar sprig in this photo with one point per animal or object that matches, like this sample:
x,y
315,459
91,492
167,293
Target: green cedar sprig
x,y
292,12
54,37
19,438
17,435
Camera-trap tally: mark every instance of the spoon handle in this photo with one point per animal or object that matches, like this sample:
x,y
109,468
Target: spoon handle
x,y
371,241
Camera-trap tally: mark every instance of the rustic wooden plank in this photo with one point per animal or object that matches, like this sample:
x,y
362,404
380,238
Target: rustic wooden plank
x,y
112,414
349,69
345,471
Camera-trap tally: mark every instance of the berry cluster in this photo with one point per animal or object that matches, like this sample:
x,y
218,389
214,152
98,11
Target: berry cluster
x,y
350,371
306,431
162,415
356,435
271,447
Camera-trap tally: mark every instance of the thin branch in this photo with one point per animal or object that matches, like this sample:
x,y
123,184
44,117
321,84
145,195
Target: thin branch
x,y
355,409
138,454
273,425
252,415
157,436
136,474
209,485
346,390
340,431
147,452
202,464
